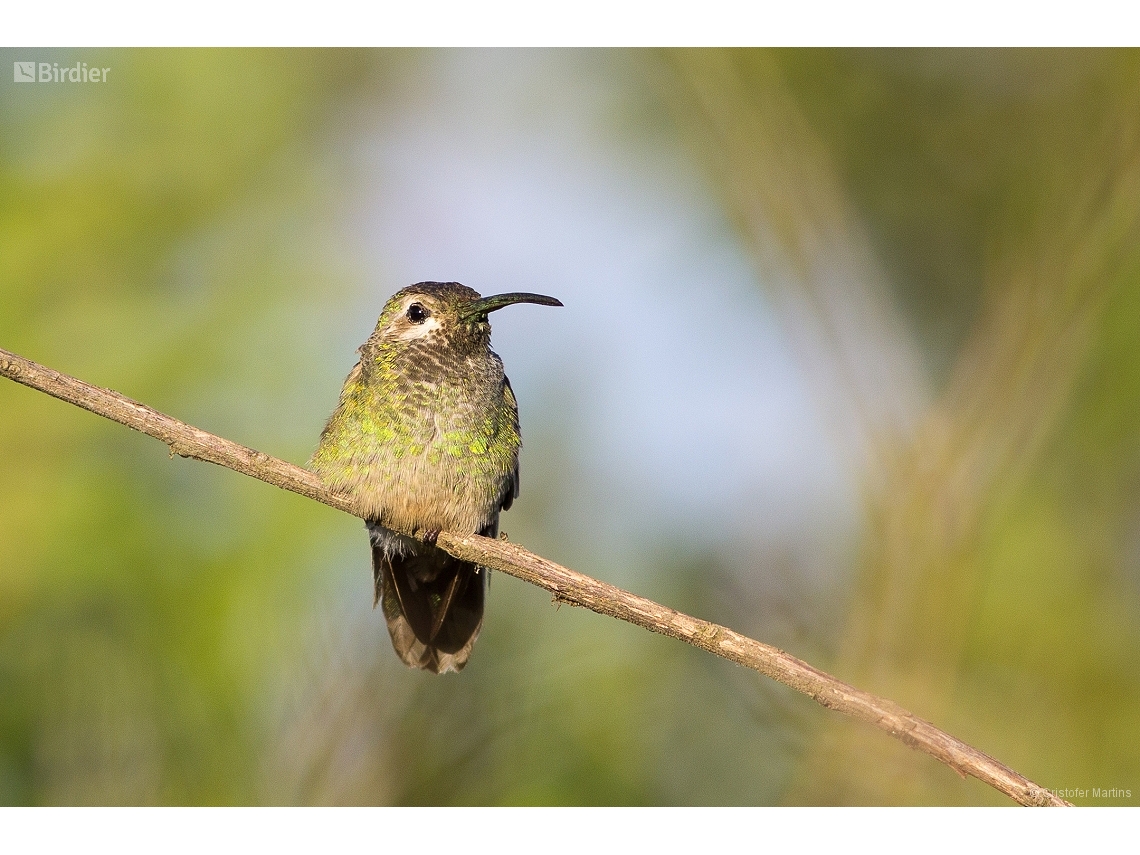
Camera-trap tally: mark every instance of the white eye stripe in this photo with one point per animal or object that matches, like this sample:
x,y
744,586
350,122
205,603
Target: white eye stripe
x,y
415,331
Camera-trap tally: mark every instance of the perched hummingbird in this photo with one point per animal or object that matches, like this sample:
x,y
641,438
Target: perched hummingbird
x,y
426,437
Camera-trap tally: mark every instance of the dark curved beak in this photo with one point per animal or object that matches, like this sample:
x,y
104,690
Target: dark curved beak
x,y
481,307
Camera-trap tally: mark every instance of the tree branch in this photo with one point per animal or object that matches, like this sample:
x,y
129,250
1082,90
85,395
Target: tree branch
x,y
566,585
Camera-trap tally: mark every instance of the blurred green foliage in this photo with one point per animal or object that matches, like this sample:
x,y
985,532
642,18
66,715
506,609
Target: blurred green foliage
x,y
1000,190
145,230
173,633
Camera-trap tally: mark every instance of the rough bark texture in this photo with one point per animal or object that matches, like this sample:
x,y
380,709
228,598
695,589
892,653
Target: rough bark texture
x,y
566,585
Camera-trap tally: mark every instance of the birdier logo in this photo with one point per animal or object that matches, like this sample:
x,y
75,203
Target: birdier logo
x,y
51,72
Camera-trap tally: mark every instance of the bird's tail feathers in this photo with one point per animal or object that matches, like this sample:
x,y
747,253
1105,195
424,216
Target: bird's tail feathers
x,y
433,602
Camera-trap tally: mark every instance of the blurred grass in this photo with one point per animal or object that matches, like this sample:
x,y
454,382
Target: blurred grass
x,y
127,212
999,192
950,238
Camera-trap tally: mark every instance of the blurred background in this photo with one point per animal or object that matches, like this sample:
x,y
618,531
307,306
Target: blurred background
x,y
849,362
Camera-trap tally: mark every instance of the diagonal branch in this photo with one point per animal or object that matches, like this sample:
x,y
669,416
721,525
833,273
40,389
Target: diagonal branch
x,y
566,585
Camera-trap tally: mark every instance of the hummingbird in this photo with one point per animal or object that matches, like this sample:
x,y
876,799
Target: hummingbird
x,y
426,439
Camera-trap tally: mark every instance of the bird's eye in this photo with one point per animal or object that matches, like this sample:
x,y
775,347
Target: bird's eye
x,y
417,314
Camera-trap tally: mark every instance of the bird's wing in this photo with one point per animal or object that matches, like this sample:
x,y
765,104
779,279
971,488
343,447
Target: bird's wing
x,y
509,491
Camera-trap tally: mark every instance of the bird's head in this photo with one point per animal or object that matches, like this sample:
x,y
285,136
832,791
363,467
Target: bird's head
x,y
444,315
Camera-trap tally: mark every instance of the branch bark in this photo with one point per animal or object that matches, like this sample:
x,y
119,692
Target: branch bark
x,y
565,584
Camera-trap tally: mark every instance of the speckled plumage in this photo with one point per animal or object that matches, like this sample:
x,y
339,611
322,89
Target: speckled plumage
x,y
426,437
